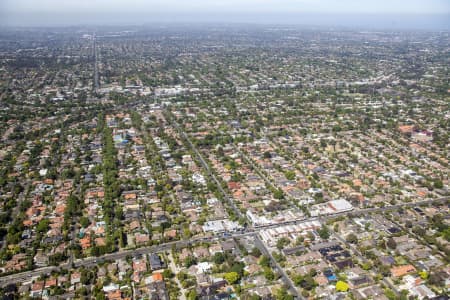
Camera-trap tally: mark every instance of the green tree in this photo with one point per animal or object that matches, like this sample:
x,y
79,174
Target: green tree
x,y
278,194
167,273
352,238
419,230
341,286
282,294
264,261
438,184
189,261
282,242
391,243
269,274
43,226
324,233
307,282
290,175
424,275
238,267
218,258
256,252
192,295
84,221
231,277
311,236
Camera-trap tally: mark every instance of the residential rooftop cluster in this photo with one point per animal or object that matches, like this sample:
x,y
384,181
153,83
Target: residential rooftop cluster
x,y
246,162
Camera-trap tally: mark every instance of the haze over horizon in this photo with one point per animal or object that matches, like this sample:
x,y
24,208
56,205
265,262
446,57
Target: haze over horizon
x,y
397,14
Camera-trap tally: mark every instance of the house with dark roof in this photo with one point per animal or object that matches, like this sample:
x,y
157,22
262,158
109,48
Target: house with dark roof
x,y
155,262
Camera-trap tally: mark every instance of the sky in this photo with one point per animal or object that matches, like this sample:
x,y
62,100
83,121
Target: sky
x,y
378,13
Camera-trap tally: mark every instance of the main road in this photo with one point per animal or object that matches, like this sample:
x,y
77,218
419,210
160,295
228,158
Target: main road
x,y
96,82
92,261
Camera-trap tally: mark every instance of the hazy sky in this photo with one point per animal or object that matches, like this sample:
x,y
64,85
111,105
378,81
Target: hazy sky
x,y
79,12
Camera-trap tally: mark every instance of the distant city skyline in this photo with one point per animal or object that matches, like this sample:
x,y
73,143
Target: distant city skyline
x,y
382,13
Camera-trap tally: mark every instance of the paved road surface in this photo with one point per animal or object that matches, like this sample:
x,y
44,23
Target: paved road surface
x,y
206,167
286,279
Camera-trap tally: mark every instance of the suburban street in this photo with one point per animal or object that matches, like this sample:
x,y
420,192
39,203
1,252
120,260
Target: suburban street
x,y
206,167
287,280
